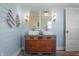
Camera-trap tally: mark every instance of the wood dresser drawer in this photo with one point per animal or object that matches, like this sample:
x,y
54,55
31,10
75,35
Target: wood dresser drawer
x,y
40,44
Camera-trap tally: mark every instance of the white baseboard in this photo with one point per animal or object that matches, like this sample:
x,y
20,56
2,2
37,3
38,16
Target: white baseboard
x,y
16,53
59,48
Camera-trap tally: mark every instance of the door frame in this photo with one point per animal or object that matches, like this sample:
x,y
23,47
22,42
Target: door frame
x,y
64,29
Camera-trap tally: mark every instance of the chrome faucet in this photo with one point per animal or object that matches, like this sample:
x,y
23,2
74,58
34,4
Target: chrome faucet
x,y
40,32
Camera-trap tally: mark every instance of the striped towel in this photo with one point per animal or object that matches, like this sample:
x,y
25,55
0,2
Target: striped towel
x,y
10,19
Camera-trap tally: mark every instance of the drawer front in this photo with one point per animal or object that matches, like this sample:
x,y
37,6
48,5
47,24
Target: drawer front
x,y
43,49
49,43
40,46
32,46
31,43
47,49
49,38
33,49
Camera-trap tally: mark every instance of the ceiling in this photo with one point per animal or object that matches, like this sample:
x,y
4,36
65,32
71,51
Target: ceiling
x,y
49,5
43,6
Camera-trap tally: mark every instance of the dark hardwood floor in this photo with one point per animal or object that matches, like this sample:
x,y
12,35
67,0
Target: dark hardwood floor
x,y
58,53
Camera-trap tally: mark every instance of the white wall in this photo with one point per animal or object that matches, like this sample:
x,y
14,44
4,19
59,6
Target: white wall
x,y
9,37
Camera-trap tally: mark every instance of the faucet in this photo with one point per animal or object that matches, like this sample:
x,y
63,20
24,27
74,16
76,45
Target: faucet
x,y
40,32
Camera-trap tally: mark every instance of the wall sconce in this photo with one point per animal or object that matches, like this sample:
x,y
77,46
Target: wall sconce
x,y
45,13
54,17
26,18
49,25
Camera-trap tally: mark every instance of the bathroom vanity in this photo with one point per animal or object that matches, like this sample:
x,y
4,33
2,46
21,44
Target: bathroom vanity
x,y
40,44
41,38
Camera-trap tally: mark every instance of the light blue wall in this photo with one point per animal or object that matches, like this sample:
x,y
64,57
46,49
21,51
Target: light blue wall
x,y
23,31
9,37
59,28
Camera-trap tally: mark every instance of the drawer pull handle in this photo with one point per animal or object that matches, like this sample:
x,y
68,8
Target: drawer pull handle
x,y
39,37
31,37
48,37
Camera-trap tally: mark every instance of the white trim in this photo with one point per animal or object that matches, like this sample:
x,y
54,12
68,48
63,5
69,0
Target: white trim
x,y
59,48
16,53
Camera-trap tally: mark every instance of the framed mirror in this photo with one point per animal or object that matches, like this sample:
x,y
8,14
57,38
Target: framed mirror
x,y
41,19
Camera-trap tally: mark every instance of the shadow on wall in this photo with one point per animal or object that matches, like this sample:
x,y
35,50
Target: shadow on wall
x,y
24,30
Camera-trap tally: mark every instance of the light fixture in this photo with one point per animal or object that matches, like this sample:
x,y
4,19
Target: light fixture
x,y
54,17
45,13
26,18
49,24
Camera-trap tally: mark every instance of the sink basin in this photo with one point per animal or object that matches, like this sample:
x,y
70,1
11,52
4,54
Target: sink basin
x,y
33,32
40,33
48,33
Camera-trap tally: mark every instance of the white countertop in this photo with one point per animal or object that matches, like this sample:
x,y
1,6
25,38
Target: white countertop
x,y
43,33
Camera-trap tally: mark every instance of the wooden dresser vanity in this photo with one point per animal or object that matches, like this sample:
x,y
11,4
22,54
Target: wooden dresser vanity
x,y
40,44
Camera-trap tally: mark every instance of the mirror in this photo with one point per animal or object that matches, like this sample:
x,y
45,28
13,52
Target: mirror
x,y
34,20
41,19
